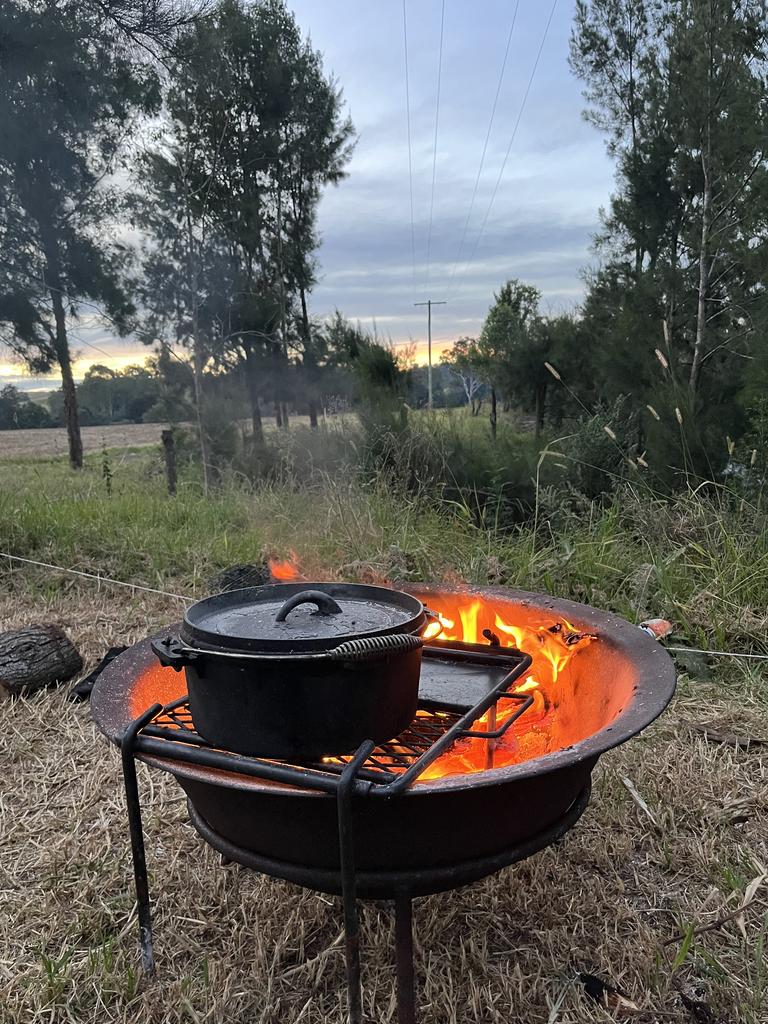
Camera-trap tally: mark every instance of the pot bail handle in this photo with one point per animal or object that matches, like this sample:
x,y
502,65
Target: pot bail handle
x,y
325,604
373,648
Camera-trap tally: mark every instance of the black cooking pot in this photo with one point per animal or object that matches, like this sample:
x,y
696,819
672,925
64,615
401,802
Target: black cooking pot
x,y
300,670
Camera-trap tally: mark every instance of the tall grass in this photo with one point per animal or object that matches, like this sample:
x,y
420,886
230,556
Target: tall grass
x,y
700,559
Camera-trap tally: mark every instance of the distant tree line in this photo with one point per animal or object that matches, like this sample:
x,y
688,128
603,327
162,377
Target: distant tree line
x,y
353,367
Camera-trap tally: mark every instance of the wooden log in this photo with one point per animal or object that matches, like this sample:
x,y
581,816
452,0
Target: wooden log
x,y
36,656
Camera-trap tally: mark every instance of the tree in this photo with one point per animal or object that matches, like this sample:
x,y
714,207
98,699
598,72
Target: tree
x,y
314,149
18,412
375,375
466,364
114,396
67,95
510,351
255,131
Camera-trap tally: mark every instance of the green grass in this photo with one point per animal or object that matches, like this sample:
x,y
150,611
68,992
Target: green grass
x,y
702,562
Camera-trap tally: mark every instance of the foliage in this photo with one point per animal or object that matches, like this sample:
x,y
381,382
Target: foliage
x,y
232,185
681,91
466,363
114,396
512,348
18,412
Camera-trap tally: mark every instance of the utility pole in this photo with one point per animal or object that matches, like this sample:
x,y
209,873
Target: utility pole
x,y
429,304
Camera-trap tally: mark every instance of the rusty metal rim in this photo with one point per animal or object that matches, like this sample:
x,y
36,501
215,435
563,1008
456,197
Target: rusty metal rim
x,y
654,689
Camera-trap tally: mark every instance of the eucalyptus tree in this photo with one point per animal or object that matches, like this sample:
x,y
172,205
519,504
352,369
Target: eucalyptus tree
x,y
509,349
75,78
261,130
464,361
68,95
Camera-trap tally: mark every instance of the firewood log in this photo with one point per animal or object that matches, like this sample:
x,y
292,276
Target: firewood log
x,y
36,656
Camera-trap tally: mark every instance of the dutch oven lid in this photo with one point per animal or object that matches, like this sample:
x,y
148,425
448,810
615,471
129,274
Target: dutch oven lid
x,y
298,617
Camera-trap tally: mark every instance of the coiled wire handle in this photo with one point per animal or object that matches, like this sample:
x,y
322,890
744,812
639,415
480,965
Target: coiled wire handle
x,y
372,647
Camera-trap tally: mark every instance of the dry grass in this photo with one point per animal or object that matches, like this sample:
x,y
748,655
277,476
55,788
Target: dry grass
x,y
236,947
48,442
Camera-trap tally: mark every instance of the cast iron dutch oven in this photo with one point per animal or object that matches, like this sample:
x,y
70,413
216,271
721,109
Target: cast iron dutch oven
x,y
300,670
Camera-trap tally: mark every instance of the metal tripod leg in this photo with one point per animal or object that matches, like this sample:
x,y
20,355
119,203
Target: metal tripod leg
x,y
137,837
406,987
348,888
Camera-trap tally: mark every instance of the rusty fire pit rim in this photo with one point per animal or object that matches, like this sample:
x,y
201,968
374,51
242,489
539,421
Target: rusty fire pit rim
x,y
656,681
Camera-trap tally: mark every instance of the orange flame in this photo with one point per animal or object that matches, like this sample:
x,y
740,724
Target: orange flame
x,y
285,570
551,646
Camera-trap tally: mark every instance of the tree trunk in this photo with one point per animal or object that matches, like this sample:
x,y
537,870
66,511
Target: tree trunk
x,y
278,414
701,310
284,415
310,367
71,417
492,417
252,380
541,396
197,375
36,656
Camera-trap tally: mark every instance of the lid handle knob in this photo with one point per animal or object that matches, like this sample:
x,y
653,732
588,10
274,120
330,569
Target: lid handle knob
x,y
325,604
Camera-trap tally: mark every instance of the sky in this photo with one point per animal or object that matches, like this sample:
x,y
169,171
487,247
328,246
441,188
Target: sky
x,y
543,179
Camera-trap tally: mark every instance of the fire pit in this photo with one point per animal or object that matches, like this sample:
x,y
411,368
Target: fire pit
x,y
518,698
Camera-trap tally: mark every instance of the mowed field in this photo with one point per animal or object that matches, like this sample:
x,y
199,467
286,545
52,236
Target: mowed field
x,y
48,443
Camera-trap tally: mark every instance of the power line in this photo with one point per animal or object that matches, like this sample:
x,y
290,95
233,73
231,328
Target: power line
x,y
82,341
410,159
434,145
485,144
509,147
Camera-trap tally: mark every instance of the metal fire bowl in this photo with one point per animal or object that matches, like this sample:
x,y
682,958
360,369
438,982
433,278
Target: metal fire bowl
x,y
616,686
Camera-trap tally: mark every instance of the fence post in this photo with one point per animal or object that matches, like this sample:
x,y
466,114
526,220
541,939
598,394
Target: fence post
x,y
169,452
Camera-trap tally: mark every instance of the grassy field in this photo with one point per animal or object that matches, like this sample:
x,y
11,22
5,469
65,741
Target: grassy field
x,y
47,443
622,896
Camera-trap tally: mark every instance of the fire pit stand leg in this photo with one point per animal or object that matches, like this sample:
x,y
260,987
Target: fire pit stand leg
x,y
137,837
406,988
348,887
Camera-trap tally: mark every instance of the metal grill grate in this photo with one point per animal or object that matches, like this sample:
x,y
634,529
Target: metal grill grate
x,y
391,766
